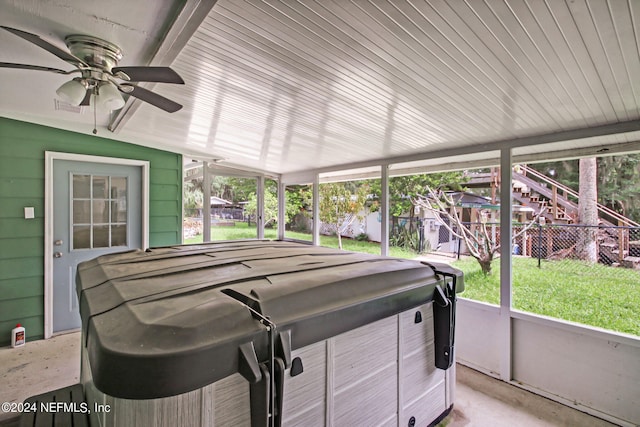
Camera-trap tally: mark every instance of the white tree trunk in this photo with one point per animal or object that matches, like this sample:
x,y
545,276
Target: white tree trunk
x,y
587,241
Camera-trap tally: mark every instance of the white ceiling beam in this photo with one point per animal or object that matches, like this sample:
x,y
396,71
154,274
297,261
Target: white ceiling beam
x,y
187,22
574,134
595,151
577,153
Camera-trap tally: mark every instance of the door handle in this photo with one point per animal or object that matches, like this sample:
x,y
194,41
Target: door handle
x,y
57,255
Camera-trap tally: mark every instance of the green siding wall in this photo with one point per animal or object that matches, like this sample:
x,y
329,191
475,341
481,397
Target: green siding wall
x,y
22,151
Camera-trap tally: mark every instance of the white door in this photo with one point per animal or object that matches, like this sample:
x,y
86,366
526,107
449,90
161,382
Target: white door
x,y
97,209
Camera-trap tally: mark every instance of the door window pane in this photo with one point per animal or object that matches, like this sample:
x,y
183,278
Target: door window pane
x,y
99,211
119,211
81,212
118,187
82,237
100,186
100,236
119,235
81,186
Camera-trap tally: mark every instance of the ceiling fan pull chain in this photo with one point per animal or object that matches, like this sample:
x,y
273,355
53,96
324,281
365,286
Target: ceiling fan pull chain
x,y
95,103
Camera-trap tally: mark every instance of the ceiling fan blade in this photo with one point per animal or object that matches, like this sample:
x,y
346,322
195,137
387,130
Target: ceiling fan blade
x,y
33,67
62,54
149,74
150,97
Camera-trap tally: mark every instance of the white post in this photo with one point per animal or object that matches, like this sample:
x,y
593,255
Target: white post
x,y
260,213
282,205
384,210
206,202
316,210
505,263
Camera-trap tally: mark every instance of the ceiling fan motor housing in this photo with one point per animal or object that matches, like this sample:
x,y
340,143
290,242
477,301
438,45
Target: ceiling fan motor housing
x,y
95,52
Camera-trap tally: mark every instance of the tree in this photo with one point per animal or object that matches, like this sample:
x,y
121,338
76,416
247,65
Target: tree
x,y
228,188
402,189
270,208
271,205
618,181
587,241
192,191
298,204
192,199
341,204
619,184
477,238
232,189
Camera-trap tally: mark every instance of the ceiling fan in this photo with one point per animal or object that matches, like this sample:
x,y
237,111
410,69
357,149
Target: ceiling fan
x,y
100,78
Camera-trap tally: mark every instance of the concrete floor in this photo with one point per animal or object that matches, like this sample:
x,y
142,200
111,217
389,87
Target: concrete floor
x,y
480,400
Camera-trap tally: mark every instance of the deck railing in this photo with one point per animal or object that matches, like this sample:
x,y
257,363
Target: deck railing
x,y
620,219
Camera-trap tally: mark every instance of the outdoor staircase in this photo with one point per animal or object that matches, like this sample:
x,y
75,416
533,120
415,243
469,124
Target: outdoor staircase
x,y
540,192
558,203
542,195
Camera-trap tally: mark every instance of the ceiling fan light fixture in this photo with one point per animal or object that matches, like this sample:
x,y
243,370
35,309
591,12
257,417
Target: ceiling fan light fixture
x,y
97,60
109,97
72,92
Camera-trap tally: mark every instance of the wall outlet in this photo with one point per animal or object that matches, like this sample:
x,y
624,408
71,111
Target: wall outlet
x,y
29,213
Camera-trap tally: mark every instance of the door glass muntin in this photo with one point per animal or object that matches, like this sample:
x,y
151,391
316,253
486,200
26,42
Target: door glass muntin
x,y
99,213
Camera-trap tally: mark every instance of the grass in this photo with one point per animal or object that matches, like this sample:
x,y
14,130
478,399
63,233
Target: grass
x,y
243,231
592,294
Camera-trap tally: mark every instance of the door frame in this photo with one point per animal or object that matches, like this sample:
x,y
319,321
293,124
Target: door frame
x,y
50,156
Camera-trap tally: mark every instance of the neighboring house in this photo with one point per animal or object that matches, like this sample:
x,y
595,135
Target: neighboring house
x,y
222,209
436,236
107,209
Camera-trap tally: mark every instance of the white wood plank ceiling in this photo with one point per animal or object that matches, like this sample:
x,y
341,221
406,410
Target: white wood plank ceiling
x,y
290,86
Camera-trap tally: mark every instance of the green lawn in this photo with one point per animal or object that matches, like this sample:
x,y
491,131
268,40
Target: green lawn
x,y
593,294
242,231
